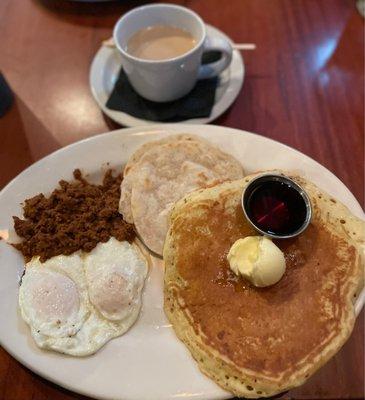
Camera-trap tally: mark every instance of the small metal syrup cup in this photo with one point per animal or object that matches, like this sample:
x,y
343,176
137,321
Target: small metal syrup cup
x,y
270,178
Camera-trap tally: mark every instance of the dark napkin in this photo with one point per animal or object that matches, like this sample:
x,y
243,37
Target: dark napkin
x,y
198,103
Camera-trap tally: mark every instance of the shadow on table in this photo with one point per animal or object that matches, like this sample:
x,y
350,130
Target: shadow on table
x,y
84,12
111,124
24,139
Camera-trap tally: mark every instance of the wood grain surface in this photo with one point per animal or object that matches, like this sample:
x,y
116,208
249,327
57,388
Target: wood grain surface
x,y
303,87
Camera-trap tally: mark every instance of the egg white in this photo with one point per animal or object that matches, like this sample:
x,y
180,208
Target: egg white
x,y
109,282
115,273
53,296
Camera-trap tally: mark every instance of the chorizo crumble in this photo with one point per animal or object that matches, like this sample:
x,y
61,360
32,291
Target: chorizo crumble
x,y
76,216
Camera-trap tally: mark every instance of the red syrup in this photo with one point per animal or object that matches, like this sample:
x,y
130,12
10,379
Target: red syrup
x,y
276,207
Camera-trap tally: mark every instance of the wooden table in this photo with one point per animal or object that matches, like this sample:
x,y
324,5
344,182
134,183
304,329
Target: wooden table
x,y
303,87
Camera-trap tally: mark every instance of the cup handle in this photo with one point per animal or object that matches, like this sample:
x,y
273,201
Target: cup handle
x,y
210,70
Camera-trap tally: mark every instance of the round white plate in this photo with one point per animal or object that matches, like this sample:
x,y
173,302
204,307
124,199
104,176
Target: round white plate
x,y
148,362
105,70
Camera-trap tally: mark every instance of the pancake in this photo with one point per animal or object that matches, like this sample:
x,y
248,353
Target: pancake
x,y
137,155
164,174
126,192
257,342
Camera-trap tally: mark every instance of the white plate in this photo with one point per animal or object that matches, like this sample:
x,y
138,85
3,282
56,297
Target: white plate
x,y
148,362
105,70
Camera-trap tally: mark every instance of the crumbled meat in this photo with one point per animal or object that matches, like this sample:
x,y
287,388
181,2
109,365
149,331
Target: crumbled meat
x,y
76,216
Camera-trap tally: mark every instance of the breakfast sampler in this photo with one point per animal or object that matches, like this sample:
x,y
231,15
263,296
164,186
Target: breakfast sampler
x,y
247,259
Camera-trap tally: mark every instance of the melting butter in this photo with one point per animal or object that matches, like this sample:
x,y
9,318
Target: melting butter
x,y
257,259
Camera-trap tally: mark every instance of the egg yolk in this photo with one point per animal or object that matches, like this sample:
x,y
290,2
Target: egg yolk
x,y
112,295
55,296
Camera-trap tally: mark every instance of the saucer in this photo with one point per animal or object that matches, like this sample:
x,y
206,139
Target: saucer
x,y
105,69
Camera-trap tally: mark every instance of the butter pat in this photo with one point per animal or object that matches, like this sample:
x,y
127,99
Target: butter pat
x,y
257,259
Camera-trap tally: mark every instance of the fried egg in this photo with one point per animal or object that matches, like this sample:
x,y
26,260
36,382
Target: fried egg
x,y
115,275
75,304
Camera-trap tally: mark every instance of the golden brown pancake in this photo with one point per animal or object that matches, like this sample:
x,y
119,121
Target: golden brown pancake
x,y
252,341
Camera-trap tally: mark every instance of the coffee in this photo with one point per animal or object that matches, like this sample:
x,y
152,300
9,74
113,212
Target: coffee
x,y
160,42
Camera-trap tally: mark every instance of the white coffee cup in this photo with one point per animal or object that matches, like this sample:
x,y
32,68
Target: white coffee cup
x,y
170,79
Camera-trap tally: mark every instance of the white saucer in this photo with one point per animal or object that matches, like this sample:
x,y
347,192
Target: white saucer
x,y
106,66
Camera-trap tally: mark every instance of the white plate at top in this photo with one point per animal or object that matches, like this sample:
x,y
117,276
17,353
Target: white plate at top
x,y
105,69
148,362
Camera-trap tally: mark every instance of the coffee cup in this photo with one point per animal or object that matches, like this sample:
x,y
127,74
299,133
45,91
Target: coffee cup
x,y
168,79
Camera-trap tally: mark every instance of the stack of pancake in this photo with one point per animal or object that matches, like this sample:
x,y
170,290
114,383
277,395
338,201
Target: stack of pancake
x,y
258,342
254,342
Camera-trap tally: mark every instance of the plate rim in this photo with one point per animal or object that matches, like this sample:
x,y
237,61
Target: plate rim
x,y
138,131
165,127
